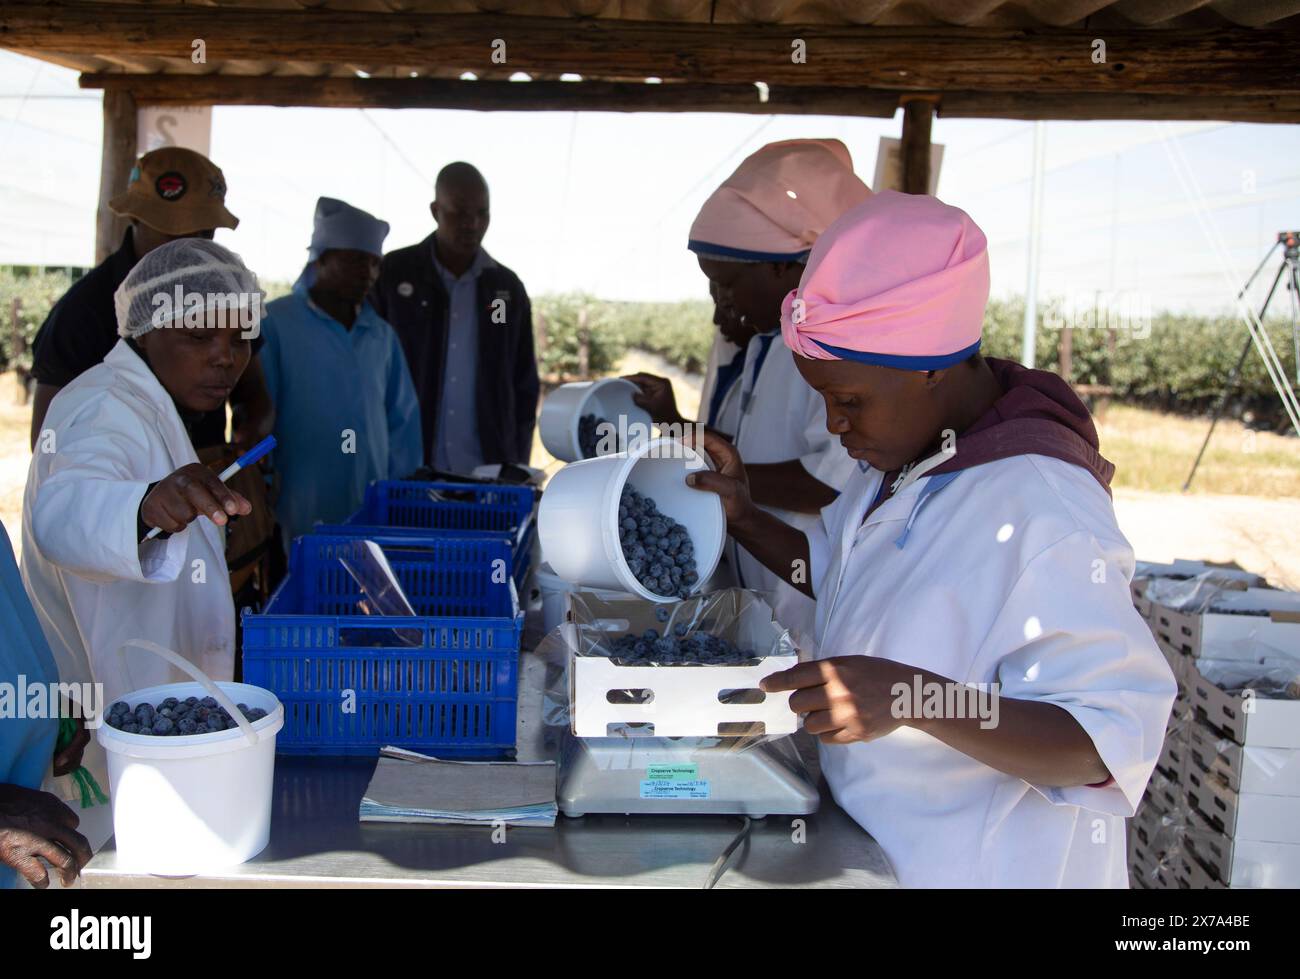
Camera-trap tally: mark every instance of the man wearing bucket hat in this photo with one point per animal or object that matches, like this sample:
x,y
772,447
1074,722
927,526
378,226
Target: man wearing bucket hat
x,y
326,336
172,193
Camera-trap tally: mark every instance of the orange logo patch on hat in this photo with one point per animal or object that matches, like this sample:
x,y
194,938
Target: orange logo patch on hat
x,y
171,186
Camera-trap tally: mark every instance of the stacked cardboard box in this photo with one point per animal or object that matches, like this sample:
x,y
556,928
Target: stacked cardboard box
x,y
1223,806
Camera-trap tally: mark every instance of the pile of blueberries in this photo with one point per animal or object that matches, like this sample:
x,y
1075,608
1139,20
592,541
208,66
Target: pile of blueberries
x,y
678,647
175,717
589,434
658,550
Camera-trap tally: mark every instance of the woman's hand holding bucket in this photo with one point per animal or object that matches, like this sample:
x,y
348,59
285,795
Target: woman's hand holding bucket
x,y
782,549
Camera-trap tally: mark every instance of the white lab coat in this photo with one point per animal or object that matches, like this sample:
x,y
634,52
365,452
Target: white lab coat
x,y
776,417
1014,571
93,585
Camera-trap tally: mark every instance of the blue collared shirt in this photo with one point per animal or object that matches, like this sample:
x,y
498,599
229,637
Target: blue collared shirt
x,y
346,411
457,447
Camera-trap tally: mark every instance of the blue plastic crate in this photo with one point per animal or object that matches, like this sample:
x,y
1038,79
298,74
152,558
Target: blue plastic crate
x,y
452,693
405,509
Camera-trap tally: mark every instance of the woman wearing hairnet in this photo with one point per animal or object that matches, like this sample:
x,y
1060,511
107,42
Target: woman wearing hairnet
x,y
117,462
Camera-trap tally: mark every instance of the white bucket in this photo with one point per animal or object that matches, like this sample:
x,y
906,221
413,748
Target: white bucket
x,y
577,521
609,399
190,804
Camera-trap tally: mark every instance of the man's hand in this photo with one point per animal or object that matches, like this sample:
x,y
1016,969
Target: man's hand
x,y
845,698
187,493
656,396
38,825
69,759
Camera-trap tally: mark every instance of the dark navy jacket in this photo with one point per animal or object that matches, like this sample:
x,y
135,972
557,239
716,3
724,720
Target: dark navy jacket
x,y
410,296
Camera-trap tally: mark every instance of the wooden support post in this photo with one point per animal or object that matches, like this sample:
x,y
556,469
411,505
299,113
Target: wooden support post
x,y
918,116
1065,353
116,161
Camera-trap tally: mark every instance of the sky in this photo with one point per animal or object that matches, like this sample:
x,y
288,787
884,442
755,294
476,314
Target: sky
x,y
1167,215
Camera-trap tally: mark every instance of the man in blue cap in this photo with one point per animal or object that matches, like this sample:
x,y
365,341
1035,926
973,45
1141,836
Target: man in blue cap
x,y
346,410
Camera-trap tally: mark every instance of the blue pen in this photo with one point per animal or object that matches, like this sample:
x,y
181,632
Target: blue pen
x,y
247,459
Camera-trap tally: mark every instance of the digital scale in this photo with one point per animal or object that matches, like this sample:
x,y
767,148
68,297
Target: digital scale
x,y
682,775
676,739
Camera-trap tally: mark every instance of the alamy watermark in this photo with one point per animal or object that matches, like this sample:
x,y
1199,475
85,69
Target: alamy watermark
x,y
40,700
1125,312
930,699
181,309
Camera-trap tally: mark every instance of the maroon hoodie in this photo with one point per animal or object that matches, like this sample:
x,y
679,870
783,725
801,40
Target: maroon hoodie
x,y
1038,414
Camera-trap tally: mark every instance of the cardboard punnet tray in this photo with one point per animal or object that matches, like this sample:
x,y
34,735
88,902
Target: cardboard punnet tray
x,y
1249,720
1243,863
1260,770
1237,620
684,701
1244,815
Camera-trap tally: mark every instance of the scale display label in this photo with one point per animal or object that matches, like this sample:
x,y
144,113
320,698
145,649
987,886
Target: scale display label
x,y
662,788
673,772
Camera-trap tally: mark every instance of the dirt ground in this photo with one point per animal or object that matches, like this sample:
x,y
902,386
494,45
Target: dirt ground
x,y
1258,533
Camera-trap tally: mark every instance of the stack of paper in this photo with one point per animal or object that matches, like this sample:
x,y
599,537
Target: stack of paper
x,y
408,787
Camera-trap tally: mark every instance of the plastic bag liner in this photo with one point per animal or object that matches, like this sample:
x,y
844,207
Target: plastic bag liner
x,y
381,592
1273,675
715,705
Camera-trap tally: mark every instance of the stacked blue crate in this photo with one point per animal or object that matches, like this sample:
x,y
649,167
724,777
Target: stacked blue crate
x,y
444,681
403,509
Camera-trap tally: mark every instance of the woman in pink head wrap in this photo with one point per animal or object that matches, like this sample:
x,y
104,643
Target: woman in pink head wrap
x,y
751,238
990,706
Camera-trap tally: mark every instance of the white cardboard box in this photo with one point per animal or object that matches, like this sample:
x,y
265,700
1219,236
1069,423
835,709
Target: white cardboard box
x,y
1243,863
1261,770
1227,632
684,699
1252,721
1244,815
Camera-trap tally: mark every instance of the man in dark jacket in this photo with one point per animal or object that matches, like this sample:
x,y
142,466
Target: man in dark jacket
x,y
466,326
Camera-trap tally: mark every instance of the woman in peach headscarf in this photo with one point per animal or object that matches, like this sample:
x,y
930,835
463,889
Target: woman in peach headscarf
x,y
975,550
751,238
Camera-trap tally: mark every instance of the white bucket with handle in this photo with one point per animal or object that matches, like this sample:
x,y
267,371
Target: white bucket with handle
x,y
189,804
609,399
577,520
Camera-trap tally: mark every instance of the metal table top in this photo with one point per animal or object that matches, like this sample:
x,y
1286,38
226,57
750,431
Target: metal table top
x,y
318,841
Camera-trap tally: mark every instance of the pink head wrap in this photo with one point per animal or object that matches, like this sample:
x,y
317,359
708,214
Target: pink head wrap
x,y
779,200
900,280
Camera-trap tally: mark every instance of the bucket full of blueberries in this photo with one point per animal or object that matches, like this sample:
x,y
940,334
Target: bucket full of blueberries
x,y
589,418
628,522
190,783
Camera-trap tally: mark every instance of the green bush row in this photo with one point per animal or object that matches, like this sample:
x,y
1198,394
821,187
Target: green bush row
x,y
1173,362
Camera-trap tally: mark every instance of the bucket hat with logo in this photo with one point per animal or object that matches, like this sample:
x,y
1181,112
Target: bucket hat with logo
x,y
176,191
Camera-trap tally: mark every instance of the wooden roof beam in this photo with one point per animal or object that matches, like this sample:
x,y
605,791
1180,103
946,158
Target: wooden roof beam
x,y
1222,61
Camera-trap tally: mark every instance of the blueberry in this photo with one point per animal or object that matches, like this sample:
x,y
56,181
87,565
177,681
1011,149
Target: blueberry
x,y
119,707
650,635
169,702
186,725
662,613
131,728
163,726
209,702
215,723
679,629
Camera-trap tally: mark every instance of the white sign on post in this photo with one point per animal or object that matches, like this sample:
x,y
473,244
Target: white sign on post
x,y
189,126
889,165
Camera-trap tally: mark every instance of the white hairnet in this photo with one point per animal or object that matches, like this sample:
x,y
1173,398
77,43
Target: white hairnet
x,y
178,283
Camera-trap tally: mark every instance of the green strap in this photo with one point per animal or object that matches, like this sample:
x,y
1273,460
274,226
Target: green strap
x,y
89,790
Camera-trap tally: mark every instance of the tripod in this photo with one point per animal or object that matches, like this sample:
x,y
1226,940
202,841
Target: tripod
x,y
1289,241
